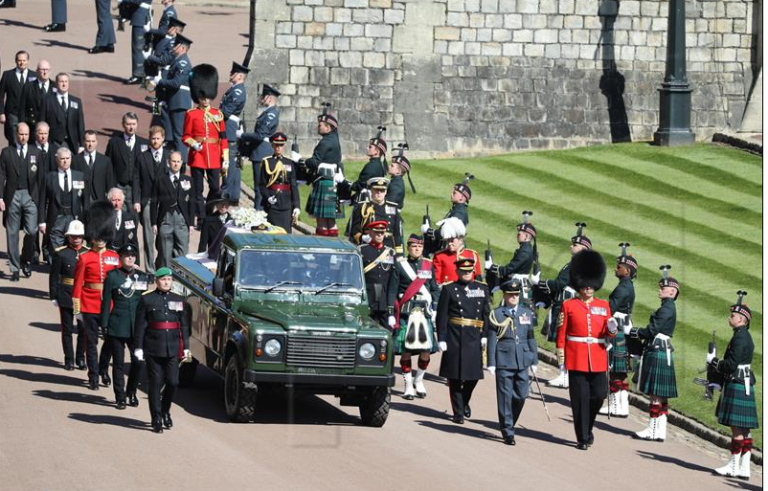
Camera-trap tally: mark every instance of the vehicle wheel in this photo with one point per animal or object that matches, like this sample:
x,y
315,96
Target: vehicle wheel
x,y
187,373
375,409
239,401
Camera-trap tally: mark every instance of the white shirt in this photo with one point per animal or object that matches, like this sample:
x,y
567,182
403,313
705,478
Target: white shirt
x,y
43,85
157,154
118,219
68,173
21,76
129,140
43,148
175,176
92,156
23,150
65,97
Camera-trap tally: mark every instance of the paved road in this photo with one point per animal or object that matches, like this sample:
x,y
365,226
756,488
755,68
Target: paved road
x,y
56,434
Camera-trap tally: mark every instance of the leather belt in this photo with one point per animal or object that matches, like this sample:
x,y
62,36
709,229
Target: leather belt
x,y
95,286
201,139
280,187
164,326
460,321
67,281
587,340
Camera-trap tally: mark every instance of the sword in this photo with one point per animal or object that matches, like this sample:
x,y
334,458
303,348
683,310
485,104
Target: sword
x,y
546,410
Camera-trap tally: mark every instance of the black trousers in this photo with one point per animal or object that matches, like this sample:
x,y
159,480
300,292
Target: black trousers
x,y
212,176
162,370
68,329
97,364
587,390
460,392
118,367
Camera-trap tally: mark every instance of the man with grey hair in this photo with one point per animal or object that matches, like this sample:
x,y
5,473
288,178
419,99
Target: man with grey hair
x,y
34,93
124,150
172,211
64,113
20,184
47,164
63,199
126,223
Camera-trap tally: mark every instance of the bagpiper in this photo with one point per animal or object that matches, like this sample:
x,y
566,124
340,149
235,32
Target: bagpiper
x,y
736,407
376,167
374,209
378,266
657,366
456,217
277,191
523,259
398,166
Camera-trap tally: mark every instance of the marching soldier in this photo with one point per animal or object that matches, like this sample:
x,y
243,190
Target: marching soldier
x,y
512,351
415,299
276,190
462,327
377,209
123,288
657,367
445,261
60,282
622,300
446,228
736,407
162,337
174,95
90,273
522,261
558,291
378,266
232,105
161,56
376,167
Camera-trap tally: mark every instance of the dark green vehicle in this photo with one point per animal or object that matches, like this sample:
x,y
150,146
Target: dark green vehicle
x,y
277,312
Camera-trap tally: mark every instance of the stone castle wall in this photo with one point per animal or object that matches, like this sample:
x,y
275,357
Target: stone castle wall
x,y
468,77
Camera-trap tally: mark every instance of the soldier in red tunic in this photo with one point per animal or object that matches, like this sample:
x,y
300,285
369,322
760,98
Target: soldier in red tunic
x,y
445,261
584,324
205,135
90,273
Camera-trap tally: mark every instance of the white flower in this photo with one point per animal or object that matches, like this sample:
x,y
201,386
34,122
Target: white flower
x,y
248,217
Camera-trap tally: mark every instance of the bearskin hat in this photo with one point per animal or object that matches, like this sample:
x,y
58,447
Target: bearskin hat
x,y
100,221
203,82
587,270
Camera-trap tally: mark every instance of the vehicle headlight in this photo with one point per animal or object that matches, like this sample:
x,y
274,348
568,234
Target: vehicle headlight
x,y
366,351
272,347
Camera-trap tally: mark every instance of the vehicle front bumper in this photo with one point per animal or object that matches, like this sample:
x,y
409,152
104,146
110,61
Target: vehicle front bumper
x,y
256,377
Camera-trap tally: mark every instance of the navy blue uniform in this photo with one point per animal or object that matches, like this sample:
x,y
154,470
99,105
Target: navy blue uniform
x,y
173,90
232,105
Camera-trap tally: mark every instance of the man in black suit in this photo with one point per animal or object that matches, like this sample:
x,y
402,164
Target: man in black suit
x,y
21,182
34,93
126,223
64,198
96,167
11,84
124,150
172,211
64,114
44,144
151,163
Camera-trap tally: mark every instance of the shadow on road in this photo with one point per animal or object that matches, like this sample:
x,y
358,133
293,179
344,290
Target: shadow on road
x,y
673,460
18,23
125,101
29,360
418,409
89,398
60,44
23,292
741,484
604,426
214,14
46,326
120,421
459,429
101,75
47,378
525,432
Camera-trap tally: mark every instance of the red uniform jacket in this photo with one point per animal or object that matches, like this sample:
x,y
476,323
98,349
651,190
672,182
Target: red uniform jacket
x,y
445,265
207,127
90,272
584,320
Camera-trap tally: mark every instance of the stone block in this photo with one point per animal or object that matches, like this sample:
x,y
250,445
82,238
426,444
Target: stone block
x,y
502,35
309,90
334,29
656,39
631,7
472,5
302,13
378,31
565,36
527,7
392,16
314,58
374,60
585,7
545,36
332,56
476,20
638,38
354,30
491,49
581,36
350,59
299,75
356,3
489,6
494,20
314,29
484,35
341,44
659,24
412,39
284,28
324,43
382,4
523,36
323,14
273,11
457,19
449,33
426,13
364,16
647,9
627,53
455,5
513,21
724,26
342,15
552,51
472,48
382,44
456,48
534,21
441,47
593,22
467,34
381,77
587,52
296,57
304,42
555,21
573,22
361,44
736,10
566,6
285,41
548,6
534,50
646,53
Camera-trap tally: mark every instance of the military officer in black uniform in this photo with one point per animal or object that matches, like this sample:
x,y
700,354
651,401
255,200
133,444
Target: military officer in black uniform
x,y
60,283
512,351
123,288
378,266
162,329
446,228
375,167
522,261
462,325
377,209
276,190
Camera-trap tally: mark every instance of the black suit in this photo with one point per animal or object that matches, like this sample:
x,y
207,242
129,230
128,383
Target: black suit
x,y
124,162
99,175
10,98
145,174
11,164
50,210
31,105
128,233
164,196
49,157
67,127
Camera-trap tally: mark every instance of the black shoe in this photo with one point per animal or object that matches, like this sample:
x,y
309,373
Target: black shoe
x,y
105,380
120,405
68,366
93,385
55,28
509,440
102,49
15,276
80,364
467,411
26,270
133,80
167,421
35,261
459,420
133,401
582,446
157,426
591,440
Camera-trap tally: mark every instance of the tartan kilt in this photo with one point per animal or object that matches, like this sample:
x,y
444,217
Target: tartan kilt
x,y
735,407
618,356
399,341
658,378
323,201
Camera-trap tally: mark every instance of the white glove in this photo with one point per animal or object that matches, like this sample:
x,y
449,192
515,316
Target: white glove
x,y
613,326
225,164
443,346
147,27
489,264
492,370
146,54
391,321
295,156
197,146
156,79
711,356
296,213
79,317
433,316
627,329
425,228
562,368
272,200
534,369
365,238
483,342
139,354
55,303
187,354
338,178
535,278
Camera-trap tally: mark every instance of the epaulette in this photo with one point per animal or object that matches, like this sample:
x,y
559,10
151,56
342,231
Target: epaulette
x,y
61,248
147,292
448,283
193,109
481,282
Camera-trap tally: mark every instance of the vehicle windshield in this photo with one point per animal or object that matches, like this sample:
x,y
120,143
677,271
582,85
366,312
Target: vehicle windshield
x,y
303,270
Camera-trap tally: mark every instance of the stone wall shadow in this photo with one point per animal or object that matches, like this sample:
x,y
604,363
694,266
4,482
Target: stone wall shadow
x,y
612,81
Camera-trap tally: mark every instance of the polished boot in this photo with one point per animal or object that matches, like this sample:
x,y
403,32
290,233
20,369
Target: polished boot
x,y
120,405
93,385
26,270
743,466
661,430
105,380
559,381
15,276
649,433
418,382
55,28
623,405
509,440
732,468
133,401
409,392
612,406
467,411
167,421
157,426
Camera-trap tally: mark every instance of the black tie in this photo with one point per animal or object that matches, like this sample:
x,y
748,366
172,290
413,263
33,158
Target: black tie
x,y
157,157
64,103
176,182
21,153
66,183
90,160
42,90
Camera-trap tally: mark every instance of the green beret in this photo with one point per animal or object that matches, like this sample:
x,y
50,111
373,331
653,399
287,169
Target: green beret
x,y
165,271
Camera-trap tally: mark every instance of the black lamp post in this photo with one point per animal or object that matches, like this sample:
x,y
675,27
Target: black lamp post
x,y
675,92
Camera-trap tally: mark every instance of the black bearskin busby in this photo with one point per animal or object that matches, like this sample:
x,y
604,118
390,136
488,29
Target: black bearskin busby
x,y
587,270
100,221
203,82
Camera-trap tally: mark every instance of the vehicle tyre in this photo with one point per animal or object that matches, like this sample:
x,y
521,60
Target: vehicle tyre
x,y
239,400
375,409
187,373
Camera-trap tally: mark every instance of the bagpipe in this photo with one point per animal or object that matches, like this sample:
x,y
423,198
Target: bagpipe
x,y
715,380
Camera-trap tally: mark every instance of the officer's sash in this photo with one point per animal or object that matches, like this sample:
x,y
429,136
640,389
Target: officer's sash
x,y
417,285
384,254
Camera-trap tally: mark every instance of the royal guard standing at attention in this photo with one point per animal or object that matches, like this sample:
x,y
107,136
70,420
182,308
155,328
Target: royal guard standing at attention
x,y
445,260
656,376
90,273
736,407
205,135
584,326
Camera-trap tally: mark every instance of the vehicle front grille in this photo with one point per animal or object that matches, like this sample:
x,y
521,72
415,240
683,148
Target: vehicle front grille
x,y
320,351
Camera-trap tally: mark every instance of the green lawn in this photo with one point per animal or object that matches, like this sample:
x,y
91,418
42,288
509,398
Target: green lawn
x,y
697,208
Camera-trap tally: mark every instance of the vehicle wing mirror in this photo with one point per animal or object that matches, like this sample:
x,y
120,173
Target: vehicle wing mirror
x,y
218,287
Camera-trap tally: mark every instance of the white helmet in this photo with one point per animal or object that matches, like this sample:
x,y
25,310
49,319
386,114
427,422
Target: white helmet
x,y
76,227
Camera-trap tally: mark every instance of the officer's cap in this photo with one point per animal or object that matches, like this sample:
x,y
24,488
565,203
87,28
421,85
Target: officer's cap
x,y
181,40
278,138
267,89
238,68
377,226
415,239
128,250
163,272
512,285
465,264
76,228
526,225
176,22
378,183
